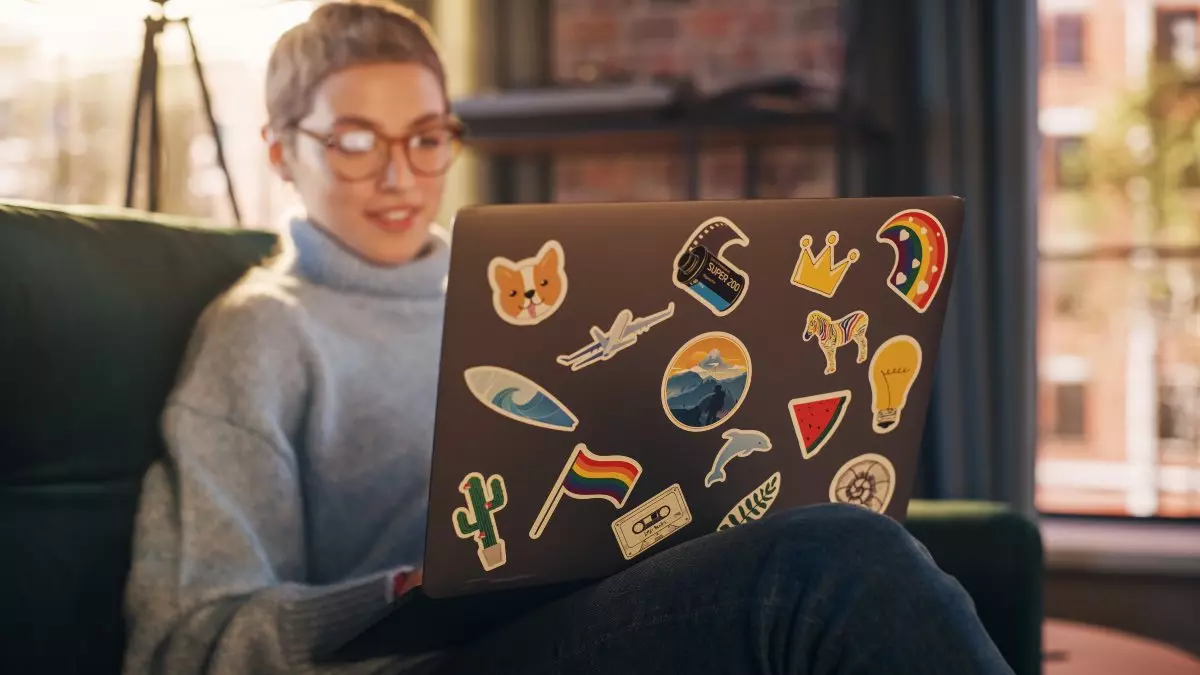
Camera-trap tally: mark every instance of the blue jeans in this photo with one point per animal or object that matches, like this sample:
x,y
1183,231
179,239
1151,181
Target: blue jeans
x,y
816,590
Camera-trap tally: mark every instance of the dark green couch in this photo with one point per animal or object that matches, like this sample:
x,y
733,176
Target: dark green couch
x,y
95,311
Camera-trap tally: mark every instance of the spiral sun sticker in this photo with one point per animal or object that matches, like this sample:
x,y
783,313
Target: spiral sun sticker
x,y
867,480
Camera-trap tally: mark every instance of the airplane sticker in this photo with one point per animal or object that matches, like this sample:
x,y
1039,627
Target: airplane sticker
x,y
621,335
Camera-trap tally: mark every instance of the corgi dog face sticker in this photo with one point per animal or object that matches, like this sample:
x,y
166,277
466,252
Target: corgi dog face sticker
x,y
528,291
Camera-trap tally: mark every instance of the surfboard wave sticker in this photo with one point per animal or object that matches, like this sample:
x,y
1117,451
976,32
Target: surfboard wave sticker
x,y
518,398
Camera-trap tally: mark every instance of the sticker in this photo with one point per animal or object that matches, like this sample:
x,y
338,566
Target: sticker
x,y
517,397
919,241
820,274
832,334
706,381
702,270
526,293
658,518
590,476
738,443
867,480
477,520
893,370
815,418
621,335
754,505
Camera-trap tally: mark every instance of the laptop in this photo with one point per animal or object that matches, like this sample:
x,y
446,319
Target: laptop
x,y
617,379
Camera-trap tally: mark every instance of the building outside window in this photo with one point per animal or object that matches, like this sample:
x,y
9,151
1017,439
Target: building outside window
x,y
1119,241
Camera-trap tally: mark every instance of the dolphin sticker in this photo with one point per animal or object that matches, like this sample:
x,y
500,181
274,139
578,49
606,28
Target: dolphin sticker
x,y
519,398
738,443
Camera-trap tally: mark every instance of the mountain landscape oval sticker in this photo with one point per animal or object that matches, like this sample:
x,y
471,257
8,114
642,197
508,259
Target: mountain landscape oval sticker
x,y
706,381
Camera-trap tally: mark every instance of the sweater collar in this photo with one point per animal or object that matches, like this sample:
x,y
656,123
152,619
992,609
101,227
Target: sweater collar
x,y
322,260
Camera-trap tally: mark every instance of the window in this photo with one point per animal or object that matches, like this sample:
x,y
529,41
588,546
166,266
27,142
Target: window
x,y
1177,39
68,71
1121,437
1067,40
1176,413
1069,403
1070,169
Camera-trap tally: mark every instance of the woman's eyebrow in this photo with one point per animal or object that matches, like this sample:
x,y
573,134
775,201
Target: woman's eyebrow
x,y
426,119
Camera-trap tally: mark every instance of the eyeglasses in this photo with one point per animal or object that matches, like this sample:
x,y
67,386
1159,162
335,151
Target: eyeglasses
x,y
357,150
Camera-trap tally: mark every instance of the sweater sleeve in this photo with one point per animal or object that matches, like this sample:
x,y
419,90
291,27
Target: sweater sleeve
x,y
217,583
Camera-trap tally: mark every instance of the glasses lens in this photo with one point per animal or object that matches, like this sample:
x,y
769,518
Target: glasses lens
x,y
432,151
356,152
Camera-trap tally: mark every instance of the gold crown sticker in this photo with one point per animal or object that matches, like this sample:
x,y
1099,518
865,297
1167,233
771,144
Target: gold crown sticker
x,y
820,274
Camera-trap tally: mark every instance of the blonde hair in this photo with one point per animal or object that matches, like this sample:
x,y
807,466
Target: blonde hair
x,y
339,35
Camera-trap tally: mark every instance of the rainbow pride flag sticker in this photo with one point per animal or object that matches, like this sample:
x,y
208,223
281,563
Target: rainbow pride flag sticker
x,y
919,241
590,476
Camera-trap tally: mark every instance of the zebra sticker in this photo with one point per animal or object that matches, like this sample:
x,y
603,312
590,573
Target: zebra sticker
x,y
834,333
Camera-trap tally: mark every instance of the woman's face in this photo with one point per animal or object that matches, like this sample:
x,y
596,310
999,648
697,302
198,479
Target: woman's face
x,y
377,199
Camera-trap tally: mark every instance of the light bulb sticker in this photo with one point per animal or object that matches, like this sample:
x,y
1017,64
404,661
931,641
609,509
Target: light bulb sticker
x,y
832,334
893,369
867,481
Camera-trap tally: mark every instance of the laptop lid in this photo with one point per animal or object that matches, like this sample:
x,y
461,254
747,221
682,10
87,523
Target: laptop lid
x,y
619,378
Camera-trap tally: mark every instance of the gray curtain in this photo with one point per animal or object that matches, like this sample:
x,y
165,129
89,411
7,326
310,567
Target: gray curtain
x,y
954,82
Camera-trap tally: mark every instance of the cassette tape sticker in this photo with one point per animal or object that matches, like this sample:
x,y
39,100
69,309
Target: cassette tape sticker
x,y
754,505
477,520
622,334
867,481
529,291
656,519
738,443
587,475
703,271
832,334
706,381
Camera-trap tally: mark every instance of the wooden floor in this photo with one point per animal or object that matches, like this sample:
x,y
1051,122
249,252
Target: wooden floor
x,y
1079,649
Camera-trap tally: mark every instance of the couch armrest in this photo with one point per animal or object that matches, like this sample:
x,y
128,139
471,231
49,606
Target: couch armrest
x,y
996,554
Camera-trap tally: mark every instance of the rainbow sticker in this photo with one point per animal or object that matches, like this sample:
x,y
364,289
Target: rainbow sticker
x,y
921,253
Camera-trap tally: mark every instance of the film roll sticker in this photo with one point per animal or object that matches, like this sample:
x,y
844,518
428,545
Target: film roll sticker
x,y
702,270
921,248
656,519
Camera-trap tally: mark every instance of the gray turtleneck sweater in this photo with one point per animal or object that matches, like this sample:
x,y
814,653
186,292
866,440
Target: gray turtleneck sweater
x,y
295,482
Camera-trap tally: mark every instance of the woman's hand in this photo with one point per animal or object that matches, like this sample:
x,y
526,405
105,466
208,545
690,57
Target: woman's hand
x,y
404,581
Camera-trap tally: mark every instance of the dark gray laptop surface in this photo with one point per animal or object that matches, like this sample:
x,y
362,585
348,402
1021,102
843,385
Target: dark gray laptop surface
x,y
617,379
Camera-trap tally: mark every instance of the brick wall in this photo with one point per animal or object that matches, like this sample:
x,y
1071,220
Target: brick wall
x,y
713,41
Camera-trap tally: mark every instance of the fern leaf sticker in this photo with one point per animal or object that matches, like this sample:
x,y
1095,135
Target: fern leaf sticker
x,y
754,505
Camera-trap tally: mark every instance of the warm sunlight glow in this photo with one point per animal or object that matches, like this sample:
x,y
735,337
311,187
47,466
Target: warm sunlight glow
x,y
94,34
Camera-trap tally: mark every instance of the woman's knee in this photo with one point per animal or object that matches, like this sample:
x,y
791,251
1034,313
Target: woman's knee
x,y
842,533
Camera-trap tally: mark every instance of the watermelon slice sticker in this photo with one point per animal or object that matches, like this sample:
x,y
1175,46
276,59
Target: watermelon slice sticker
x,y
815,418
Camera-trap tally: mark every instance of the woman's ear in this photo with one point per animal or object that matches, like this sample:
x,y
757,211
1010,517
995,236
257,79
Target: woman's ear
x,y
276,153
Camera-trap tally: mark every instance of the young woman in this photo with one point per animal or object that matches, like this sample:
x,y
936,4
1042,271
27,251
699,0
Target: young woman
x,y
289,512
